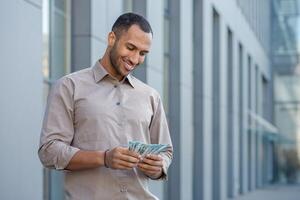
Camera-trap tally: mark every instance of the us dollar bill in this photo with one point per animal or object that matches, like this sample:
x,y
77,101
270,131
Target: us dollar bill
x,y
144,149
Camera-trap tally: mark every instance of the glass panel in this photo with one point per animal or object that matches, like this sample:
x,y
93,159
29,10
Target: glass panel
x,y
56,63
166,67
45,71
45,53
166,84
59,39
127,5
265,98
230,120
166,35
249,83
257,81
166,5
285,63
241,117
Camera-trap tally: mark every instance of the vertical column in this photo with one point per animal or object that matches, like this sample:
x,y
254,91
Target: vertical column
x,y
81,34
140,7
216,110
254,123
236,116
259,97
230,116
173,186
59,65
155,67
243,75
198,183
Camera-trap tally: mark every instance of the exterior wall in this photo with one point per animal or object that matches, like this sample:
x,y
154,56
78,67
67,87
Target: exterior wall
x,y
213,164
21,103
230,16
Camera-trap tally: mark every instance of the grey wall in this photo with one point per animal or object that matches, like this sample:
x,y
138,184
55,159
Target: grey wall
x,y
21,103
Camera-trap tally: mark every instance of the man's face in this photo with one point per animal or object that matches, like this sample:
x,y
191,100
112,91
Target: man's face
x,y
128,51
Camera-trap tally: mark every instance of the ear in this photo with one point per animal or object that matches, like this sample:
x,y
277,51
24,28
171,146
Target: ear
x,y
111,38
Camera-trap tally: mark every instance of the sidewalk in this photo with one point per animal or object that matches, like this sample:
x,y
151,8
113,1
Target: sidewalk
x,y
276,192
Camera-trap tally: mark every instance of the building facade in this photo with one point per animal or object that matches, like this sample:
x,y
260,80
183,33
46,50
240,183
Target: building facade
x,y
210,61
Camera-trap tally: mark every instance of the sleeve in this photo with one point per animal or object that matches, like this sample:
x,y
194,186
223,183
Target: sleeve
x,y
159,134
57,131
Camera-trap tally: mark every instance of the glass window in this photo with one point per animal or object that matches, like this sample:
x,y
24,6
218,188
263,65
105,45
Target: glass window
x,y
55,63
230,118
265,98
241,117
257,89
166,40
127,6
249,82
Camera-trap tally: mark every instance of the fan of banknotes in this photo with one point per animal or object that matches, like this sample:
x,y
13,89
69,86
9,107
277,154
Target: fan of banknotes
x,y
144,149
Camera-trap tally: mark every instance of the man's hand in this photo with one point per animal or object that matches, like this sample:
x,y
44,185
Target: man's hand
x,y
151,165
121,158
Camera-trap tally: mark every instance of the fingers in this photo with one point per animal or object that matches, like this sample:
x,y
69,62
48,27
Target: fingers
x,y
151,165
152,159
120,164
121,158
149,168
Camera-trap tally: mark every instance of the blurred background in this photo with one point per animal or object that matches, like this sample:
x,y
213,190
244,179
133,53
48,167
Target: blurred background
x,y
228,73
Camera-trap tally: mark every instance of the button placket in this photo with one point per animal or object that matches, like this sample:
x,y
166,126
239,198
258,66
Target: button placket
x,y
117,86
119,104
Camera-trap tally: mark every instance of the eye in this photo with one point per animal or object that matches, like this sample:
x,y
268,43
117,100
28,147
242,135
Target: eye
x,y
142,53
130,48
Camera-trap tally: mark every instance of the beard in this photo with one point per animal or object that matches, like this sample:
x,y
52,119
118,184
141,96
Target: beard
x,y
113,57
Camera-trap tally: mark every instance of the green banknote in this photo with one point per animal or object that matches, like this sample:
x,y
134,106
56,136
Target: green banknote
x,y
144,149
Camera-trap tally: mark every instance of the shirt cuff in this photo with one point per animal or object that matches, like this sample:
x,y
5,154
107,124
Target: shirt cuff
x,y
66,154
164,174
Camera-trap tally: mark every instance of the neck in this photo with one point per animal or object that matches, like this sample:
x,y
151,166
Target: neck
x,y
105,62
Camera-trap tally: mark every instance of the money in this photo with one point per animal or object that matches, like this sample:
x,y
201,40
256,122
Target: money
x,y
144,149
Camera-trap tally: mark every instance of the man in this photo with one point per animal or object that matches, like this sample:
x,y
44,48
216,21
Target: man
x,y
92,114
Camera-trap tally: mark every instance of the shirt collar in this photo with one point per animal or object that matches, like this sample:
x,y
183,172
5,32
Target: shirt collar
x,y
100,72
130,80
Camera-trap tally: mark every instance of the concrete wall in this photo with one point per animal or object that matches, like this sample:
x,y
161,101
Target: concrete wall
x,y
21,103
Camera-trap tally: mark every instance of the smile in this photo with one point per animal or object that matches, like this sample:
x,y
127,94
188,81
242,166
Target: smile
x,y
128,67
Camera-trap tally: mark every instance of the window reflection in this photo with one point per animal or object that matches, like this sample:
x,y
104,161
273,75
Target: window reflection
x,y
55,63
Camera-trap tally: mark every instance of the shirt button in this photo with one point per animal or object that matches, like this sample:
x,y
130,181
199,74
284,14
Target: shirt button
x,y
120,123
118,103
123,189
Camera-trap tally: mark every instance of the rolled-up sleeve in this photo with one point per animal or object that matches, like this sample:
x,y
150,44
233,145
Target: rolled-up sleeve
x,y
159,133
57,132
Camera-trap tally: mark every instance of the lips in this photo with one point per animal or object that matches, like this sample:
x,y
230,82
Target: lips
x,y
128,67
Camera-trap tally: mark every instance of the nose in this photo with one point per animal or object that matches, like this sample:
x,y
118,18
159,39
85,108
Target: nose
x,y
134,59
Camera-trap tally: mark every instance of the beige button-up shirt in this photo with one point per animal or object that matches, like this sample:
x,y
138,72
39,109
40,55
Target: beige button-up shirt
x,y
90,110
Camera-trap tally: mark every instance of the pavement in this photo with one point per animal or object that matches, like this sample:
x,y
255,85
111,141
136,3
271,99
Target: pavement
x,y
274,192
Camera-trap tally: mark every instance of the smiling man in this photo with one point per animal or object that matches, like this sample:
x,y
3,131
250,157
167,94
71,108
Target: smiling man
x,y
92,114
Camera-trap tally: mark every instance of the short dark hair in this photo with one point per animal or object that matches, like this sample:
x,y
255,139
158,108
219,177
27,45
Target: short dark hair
x,y
126,20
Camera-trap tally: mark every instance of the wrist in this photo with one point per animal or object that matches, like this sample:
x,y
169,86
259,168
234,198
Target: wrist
x,y
105,163
156,175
